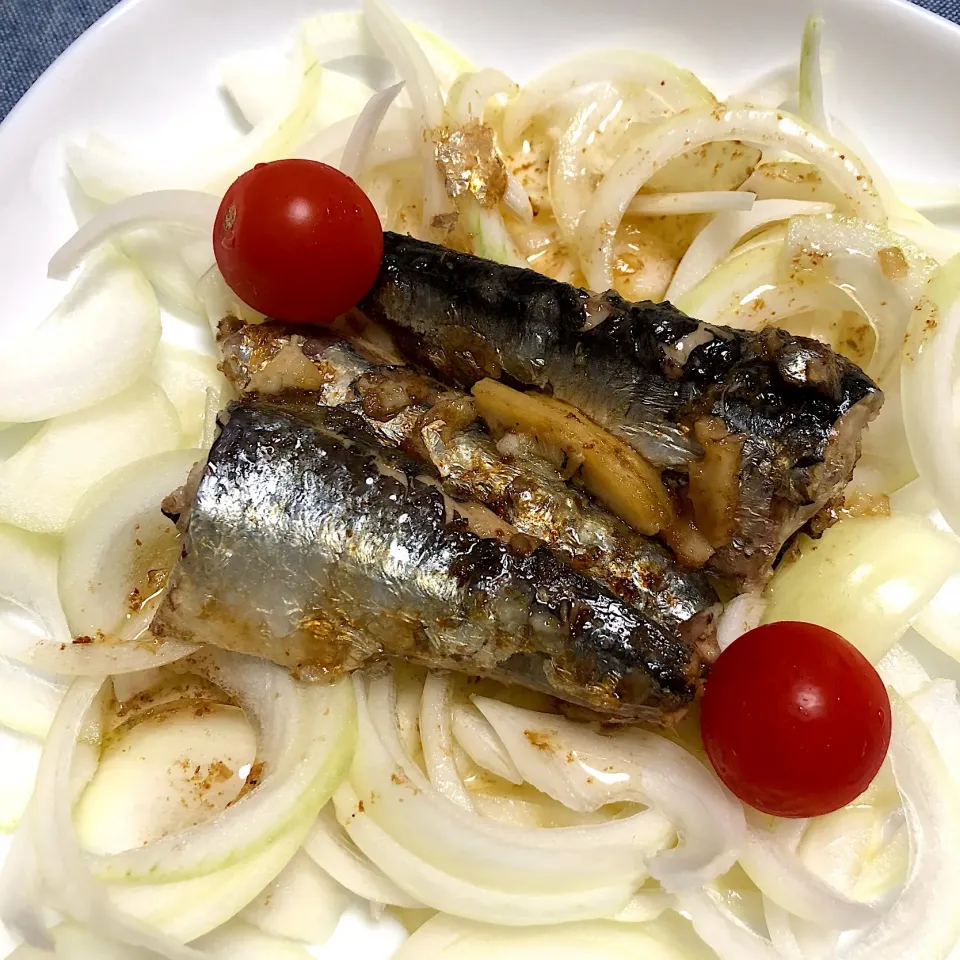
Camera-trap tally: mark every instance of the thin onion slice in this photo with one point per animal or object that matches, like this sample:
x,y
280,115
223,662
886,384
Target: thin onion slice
x,y
42,483
437,740
479,741
62,869
927,383
678,89
778,872
303,903
572,764
723,233
119,547
812,107
187,909
479,850
694,201
882,271
28,699
185,376
298,781
689,130
333,851
357,149
424,90
186,208
97,342
465,898
853,579
740,615
108,173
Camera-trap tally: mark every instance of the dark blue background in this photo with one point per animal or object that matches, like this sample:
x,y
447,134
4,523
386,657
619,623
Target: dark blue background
x,y
34,32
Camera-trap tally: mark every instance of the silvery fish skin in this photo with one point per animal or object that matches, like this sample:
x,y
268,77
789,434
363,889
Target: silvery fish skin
x,y
308,542
647,373
435,424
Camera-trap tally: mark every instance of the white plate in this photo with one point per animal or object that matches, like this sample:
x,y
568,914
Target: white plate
x,y
146,76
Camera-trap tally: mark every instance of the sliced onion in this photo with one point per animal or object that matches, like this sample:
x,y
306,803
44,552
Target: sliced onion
x,y
568,174
927,382
771,862
451,938
694,201
185,376
485,854
357,149
21,758
481,744
812,107
187,208
424,90
42,483
305,752
854,581
187,909
922,924
460,897
119,547
722,930
257,80
240,941
34,630
97,342
344,34
303,903
740,615
108,173
62,869
584,770
685,132
744,274
678,89
715,241
333,851
28,699
795,180
883,272
471,92
164,774
901,670
437,740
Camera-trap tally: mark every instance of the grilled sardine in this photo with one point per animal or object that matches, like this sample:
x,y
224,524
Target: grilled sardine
x,y
309,542
758,430
436,424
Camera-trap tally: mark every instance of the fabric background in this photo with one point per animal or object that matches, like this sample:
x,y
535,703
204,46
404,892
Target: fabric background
x,y
34,32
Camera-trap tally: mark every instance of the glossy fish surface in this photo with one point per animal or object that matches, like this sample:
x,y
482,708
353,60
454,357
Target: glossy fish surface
x,y
436,424
782,414
309,542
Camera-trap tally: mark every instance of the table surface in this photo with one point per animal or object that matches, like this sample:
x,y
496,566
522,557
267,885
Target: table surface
x,y
34,32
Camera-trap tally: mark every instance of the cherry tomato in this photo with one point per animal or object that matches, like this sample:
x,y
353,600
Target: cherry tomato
x,y
795,720
298,241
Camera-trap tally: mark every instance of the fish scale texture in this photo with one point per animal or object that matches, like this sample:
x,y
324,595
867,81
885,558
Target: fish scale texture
x,y
34,32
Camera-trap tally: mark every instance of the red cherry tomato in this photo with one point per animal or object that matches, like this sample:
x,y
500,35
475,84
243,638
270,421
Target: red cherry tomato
x,y
298,241
795,720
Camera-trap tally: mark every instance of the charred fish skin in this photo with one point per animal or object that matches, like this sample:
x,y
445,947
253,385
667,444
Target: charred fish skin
x,y
646,372
309,543
419,415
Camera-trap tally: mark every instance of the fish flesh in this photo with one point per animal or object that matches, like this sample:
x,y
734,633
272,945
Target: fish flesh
x,y
437,425
757,431
311,543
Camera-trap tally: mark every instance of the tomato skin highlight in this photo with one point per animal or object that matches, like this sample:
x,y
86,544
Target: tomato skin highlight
x,y
298,240
795,720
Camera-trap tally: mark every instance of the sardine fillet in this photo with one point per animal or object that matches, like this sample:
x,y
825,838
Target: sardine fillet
x,y
649,374
309,543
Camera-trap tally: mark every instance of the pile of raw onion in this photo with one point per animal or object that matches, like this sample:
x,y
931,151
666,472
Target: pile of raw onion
x,y
168,801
